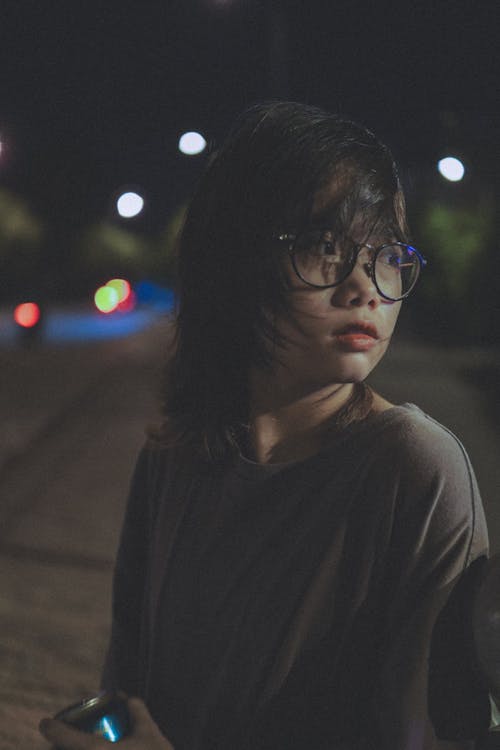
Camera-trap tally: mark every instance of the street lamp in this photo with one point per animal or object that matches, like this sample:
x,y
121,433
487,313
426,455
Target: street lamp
x,y
451,168
192,143
129,204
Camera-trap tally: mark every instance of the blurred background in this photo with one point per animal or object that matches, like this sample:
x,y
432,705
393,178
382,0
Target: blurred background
x,y
95,97
108,113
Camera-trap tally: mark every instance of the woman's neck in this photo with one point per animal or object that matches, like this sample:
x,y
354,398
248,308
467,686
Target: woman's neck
x,y
288,423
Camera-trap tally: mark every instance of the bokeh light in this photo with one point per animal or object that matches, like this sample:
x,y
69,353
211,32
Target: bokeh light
x,y
192,143
122,288
451,168
126,297
27,314
106,299
129,204
127,304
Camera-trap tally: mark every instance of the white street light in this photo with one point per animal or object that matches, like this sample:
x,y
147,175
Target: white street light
x,y
192,143
129,205
451,168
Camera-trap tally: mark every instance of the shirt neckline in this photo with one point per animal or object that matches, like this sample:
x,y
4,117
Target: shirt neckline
x,y
249,469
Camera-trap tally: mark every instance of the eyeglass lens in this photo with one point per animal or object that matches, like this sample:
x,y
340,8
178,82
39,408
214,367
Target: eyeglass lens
x,y
321,261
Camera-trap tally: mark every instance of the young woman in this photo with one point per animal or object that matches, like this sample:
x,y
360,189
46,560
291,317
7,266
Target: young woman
x,y
291,536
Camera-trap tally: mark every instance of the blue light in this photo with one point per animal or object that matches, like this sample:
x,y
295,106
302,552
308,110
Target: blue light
x,y
109,732
75,323
155,296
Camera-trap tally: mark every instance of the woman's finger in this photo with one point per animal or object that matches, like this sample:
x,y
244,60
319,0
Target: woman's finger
x,y
68,738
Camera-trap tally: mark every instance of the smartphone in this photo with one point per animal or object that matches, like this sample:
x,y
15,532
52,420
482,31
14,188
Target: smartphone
x,y
105,715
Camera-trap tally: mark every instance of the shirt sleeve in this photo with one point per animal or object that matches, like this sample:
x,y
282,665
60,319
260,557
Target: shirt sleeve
x,y
121,669
438,530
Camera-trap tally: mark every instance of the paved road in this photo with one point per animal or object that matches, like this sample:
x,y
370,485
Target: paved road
x,y
64,480
74,422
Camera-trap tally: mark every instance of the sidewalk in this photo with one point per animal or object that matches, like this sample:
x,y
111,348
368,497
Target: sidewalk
x,y
62,499
39,381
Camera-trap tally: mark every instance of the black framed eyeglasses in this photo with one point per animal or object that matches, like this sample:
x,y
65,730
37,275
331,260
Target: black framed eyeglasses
x,y
322,261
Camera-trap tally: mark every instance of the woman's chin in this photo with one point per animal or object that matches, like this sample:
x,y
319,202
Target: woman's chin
x,y
354,368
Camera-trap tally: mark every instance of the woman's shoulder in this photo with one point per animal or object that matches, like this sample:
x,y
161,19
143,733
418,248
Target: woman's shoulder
x,y
418,435
403,439
431,464
423,458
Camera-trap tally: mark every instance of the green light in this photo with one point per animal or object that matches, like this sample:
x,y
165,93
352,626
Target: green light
x,y
121,287
106,299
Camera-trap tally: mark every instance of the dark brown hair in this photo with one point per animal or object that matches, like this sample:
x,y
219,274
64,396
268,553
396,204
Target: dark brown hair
x,y
262,181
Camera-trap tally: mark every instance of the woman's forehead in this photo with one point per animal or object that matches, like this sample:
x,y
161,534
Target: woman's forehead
x,y
328,198
339,203
331,212
342,193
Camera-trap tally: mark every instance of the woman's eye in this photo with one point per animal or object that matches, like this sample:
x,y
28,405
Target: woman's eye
x,y
394,260
325,247
326,244
318,244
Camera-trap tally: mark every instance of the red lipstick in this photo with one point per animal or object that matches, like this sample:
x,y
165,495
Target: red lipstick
x,y
357,337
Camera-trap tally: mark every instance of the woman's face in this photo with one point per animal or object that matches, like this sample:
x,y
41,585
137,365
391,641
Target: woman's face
x,y
336,335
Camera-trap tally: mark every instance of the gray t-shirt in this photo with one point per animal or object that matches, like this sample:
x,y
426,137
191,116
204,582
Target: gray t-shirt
x,y
291,606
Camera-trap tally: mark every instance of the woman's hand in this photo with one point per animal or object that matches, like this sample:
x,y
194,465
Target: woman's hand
x,y
145,734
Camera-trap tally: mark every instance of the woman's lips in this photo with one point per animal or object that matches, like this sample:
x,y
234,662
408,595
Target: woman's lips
x,y
357,338
356,342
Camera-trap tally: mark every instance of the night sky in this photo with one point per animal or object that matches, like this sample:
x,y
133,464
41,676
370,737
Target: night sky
x,y
94,95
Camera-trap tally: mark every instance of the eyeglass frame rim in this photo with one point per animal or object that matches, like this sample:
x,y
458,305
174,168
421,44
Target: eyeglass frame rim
x,y
291,237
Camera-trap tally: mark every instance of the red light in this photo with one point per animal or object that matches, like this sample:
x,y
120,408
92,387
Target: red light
x,y
27,314
127,304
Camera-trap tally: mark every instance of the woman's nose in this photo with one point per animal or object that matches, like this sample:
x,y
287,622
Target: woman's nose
x,y
358,289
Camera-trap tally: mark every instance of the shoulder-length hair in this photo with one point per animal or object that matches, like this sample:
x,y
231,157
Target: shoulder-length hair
x,y
262,181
